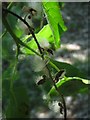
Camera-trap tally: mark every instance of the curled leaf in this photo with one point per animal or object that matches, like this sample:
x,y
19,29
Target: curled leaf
x,y
61,110
50,51
61,107
29,17
29,10
59,75
44,77
40,82
32,11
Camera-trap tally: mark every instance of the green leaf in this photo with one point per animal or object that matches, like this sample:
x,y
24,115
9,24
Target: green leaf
x,y
70,86
55,20
51,33
71,71
18,105
7,43
43,36
8,72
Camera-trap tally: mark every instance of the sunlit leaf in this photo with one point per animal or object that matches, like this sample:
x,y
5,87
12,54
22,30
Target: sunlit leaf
x,y
55,20
71,86
50,33
44,37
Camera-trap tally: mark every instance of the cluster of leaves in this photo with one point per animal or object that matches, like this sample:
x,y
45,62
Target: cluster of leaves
x,y
69,80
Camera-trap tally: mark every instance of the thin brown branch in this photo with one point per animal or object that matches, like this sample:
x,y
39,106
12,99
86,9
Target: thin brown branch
x,y
29,27
40,50
63,100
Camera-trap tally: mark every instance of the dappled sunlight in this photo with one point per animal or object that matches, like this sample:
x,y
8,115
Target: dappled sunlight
x,y
61,59
71,47
71,52
43,114
79,56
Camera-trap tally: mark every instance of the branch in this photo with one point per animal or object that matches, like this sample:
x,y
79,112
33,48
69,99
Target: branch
x,y
31,31
16,39
63,101
23,20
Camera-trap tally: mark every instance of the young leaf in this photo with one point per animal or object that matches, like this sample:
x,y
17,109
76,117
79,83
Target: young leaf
x,y
71,71
59,75
44,35
52,31
50,51
61,107
40,82
55,20
70,86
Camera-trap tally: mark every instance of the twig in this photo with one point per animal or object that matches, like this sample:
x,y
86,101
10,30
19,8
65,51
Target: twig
x,y
16,39
23,20
63,101
40,50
